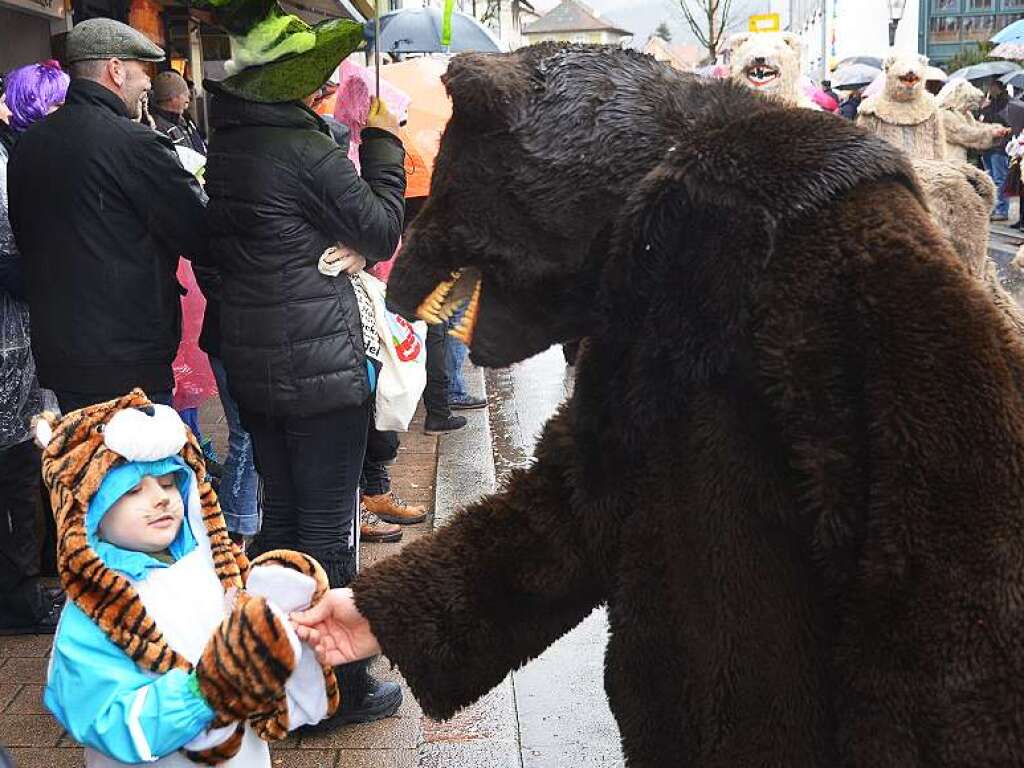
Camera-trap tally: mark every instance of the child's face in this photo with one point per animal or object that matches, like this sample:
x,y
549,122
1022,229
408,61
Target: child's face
x,y
147,518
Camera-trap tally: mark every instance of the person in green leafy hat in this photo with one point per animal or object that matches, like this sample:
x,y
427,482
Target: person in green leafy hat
x,y
292,223
275,55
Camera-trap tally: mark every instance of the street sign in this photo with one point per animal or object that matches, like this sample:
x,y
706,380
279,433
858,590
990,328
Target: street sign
x,y
765,22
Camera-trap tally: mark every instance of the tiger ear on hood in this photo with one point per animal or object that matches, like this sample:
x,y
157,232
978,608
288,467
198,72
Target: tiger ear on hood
x,y
42,428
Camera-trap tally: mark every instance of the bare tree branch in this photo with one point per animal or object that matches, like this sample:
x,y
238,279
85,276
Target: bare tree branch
x,y
710,21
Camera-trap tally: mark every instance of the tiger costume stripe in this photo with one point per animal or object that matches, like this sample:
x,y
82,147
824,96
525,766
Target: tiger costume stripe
x,y
75,461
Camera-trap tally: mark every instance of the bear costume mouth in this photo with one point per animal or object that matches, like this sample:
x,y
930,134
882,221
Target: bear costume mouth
x,y
760,75
462,289
909,79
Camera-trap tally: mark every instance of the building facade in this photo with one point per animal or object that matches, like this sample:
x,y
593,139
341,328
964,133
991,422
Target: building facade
x,y
30,30
832,30
949,26
571,21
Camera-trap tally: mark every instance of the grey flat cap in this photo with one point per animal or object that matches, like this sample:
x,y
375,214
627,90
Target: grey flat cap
x,y
109,39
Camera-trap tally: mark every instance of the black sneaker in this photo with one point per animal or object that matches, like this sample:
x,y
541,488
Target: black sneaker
x,y
44,622
468,403
382,700
440,426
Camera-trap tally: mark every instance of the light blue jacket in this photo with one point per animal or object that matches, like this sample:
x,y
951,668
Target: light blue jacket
x,y
93,685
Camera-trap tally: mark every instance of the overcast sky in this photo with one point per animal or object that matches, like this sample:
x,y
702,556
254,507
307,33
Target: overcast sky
x,y
641,17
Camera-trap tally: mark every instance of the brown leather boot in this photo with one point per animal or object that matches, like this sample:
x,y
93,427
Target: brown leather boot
x,y
373,530
390,508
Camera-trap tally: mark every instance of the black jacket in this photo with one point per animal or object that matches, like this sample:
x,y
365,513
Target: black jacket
x,y
994,113
208,276
179,129
281,192
101,209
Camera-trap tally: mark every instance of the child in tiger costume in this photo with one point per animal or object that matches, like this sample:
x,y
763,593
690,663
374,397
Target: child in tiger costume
x,y
173,649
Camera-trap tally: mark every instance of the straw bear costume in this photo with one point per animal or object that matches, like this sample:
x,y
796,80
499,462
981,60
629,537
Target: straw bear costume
x,y
228,649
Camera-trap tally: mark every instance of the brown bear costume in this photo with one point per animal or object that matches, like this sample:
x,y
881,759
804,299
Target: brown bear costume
x,y
793,464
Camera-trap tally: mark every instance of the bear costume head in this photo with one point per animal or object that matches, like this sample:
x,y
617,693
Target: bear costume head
x,y
905,76
959,95
784,363
903,112
769,63
561,166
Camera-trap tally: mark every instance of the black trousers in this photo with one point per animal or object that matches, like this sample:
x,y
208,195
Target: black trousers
x,y
310,468
435,395
20,544
381,450
72,401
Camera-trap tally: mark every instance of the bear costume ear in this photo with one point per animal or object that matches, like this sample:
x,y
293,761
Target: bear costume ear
x,y
793,41
737,40
484,87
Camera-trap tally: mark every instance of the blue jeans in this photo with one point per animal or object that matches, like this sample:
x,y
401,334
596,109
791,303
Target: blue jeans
x,y
455,353
239,485
998,166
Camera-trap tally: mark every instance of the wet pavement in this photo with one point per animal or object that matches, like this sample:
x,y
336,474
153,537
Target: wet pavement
x,y
561,707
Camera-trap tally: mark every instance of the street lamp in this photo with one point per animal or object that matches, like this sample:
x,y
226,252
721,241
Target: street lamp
x,y
896,9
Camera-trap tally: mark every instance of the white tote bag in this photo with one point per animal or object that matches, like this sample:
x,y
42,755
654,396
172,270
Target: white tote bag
x,y
403,374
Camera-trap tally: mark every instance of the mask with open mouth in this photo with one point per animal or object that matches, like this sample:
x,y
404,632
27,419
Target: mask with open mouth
x,y
768,63
762,75
513,238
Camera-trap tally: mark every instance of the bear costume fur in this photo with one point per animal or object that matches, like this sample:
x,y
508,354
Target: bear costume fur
x,y
957,100
904,113
789,467
769,63
960,198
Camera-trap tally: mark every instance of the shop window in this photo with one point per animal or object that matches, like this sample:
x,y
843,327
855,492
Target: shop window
x,y
981,5
946,6
978,28
944,29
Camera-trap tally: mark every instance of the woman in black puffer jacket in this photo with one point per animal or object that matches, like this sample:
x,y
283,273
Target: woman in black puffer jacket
x,y
281,193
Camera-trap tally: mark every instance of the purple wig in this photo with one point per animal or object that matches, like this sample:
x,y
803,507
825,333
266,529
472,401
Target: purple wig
x,y
33,90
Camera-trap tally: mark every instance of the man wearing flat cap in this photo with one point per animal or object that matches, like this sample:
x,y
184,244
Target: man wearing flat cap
x,y
101,209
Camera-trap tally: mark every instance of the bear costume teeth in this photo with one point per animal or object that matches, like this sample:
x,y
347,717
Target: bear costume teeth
x,y
462,289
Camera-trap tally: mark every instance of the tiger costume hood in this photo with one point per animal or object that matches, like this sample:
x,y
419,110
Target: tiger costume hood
x,y
128,436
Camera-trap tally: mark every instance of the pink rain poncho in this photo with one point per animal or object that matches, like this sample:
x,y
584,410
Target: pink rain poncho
x,y
351,107
193,378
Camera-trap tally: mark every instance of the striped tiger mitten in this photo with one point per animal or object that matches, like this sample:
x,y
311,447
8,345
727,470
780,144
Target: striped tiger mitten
x,y
246,662
294,581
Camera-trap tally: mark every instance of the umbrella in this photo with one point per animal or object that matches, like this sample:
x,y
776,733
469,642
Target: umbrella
x,y
934,73
985,69
1015,115
1012,33
1016,79
1008,51
869,61
428,113
418,30
849,76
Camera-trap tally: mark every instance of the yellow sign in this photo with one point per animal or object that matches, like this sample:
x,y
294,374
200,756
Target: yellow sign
x,y
765,22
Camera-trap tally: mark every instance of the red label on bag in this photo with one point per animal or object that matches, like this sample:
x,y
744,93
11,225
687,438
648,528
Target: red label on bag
x,y
407,348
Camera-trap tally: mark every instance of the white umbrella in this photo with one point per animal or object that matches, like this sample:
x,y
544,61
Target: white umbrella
x,y
851,76
985,69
